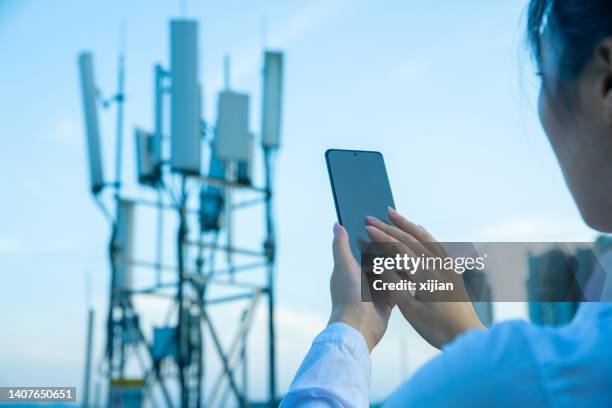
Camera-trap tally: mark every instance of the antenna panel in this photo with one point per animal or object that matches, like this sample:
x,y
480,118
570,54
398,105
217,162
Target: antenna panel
x,y
232,136
92,130
245,167
147,157
272,99
185,97
211,197
124,241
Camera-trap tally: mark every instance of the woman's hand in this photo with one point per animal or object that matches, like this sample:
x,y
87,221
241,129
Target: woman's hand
x,y
437,321
369,318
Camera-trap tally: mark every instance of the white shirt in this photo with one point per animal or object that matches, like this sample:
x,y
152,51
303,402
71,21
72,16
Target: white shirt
x,y
513,364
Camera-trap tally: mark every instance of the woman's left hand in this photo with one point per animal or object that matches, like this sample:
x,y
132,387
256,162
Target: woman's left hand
x,y
369,318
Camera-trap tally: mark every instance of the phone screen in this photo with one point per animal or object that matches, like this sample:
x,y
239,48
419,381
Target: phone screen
x,y
360,187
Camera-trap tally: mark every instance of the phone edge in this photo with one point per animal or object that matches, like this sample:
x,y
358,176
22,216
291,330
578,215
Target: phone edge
x,y
331,183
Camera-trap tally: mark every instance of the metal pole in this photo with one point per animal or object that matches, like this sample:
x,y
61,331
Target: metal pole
x,y
183,329
119,98
97,395
225,362
160,237
159,103
200,366
156,368
233,352
244,361
110,323
231,173
200,289
159,118
158,147
270,252
86,380
112,247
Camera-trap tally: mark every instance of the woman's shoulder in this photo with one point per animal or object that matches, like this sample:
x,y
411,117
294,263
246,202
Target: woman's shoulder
x,y
504,346
567,365
480,368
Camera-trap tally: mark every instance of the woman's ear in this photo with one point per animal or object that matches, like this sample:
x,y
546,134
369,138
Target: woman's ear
x,y
607,99
604,61
607,107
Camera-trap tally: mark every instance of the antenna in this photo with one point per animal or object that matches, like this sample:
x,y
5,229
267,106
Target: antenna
x,y
124,242
88,290
211,197
159,75
245,167
232,138
272,99
92,130
147,159
226,71
88,352
122,36
185,98
119,97
264,33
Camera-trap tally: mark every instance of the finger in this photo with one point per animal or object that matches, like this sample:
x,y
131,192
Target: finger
x,y
377,235
341,247
404,299
408,306
392,245
398,234
416,231
395,245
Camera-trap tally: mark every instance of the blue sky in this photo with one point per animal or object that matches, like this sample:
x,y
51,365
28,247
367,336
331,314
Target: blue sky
x,y
442,89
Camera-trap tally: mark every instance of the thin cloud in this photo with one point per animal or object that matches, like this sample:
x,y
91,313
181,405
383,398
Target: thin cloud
x,y
12,246
410,70
247,60
66,132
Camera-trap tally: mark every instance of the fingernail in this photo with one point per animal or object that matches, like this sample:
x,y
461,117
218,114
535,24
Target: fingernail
x,y
391,210
372,220
336,229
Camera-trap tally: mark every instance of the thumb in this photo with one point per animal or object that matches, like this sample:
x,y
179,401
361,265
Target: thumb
x,y
341,247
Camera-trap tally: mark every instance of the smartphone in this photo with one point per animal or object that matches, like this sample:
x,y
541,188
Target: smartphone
x,y
360,186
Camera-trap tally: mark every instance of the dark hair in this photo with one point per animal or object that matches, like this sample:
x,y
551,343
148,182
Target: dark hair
x,y
575,27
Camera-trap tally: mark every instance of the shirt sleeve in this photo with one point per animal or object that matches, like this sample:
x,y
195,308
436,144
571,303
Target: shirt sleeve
x,y
334,373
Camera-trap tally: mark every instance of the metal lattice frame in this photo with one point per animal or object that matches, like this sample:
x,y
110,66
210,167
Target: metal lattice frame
x,y
191,294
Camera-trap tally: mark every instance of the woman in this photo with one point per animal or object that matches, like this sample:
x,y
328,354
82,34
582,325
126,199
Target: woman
x,y
513,363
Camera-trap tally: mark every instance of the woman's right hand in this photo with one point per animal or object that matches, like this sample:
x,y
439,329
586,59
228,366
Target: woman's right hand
x,y
437,321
